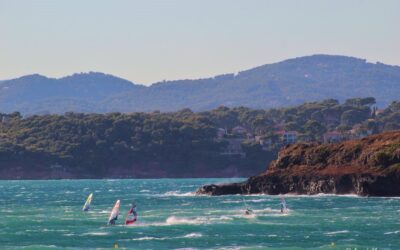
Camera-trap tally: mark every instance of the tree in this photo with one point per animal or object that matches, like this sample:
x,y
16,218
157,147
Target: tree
x,y
357,102
354,116
314,129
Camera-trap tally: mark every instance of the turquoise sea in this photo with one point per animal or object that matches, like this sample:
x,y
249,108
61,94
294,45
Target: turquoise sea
x,y
47,214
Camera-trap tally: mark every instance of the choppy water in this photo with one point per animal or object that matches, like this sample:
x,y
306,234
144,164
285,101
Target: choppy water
x,y
47,214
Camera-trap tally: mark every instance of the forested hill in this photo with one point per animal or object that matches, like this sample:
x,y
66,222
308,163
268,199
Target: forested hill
x,y
223,142
286,83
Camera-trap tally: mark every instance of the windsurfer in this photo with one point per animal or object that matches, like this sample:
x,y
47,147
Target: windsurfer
x,y
132,215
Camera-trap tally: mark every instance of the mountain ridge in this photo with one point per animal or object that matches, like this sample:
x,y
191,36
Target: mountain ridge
x,y
286,83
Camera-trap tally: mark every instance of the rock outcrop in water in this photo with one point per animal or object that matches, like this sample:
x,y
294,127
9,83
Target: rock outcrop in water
x,y
368,167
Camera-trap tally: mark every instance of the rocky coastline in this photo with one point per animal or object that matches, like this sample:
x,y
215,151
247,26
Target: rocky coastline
x,y
366,167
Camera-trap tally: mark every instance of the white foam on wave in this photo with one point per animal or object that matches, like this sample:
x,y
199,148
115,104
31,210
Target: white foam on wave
x,y
248,216
144,191
322,195
173,220
231,202
256,200
177,193
95,234
38,246
271,211
394,232
193,235
148,238
337,232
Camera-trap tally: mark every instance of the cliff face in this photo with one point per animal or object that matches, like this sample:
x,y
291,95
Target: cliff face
x,y
370,166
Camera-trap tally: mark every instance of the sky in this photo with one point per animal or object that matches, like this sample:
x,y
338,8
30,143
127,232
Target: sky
x,y
146,41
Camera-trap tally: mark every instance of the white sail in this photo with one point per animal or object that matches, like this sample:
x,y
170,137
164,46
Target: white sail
x,y
86,207
114,214
284,208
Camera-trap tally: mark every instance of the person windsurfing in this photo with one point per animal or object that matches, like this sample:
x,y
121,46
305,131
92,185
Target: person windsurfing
x,y
86,207
248,211
284,208
114,214
131,217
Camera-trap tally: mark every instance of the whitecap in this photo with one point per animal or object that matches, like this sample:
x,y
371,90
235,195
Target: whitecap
x,y
173,220
394,232
337,232
95,234
149,238
231,202
257,200
193,235
177,193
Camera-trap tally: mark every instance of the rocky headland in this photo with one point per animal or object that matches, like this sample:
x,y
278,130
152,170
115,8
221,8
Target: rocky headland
x,y
366,167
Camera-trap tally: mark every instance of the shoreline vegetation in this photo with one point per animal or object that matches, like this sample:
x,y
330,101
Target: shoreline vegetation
x,y
224,142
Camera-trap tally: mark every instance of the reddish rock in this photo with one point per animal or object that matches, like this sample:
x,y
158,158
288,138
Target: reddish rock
x,y
368,167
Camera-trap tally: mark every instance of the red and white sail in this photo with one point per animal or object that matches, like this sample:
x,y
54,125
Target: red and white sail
x,y
131,217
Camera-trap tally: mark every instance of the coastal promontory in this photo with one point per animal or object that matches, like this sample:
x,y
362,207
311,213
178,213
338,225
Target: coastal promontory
x,y
366,167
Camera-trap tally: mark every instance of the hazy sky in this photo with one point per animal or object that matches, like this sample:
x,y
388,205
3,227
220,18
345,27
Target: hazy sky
x,y
151,40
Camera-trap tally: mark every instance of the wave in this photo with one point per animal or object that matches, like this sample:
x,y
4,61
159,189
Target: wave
x,y
193,235
38,246
394,232
320,195
173,220
177,193
256,200
337,232
95,234
149,238
271,211
231,202
103,211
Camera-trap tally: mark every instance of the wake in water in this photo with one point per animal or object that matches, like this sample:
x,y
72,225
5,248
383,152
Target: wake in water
x,y
186,236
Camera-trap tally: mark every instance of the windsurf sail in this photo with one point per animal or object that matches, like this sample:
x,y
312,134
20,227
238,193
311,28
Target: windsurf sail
x,y
131,217
284,207
86,207
114,214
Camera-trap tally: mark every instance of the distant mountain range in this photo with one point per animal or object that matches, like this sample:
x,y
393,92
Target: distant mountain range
x,y
290,82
